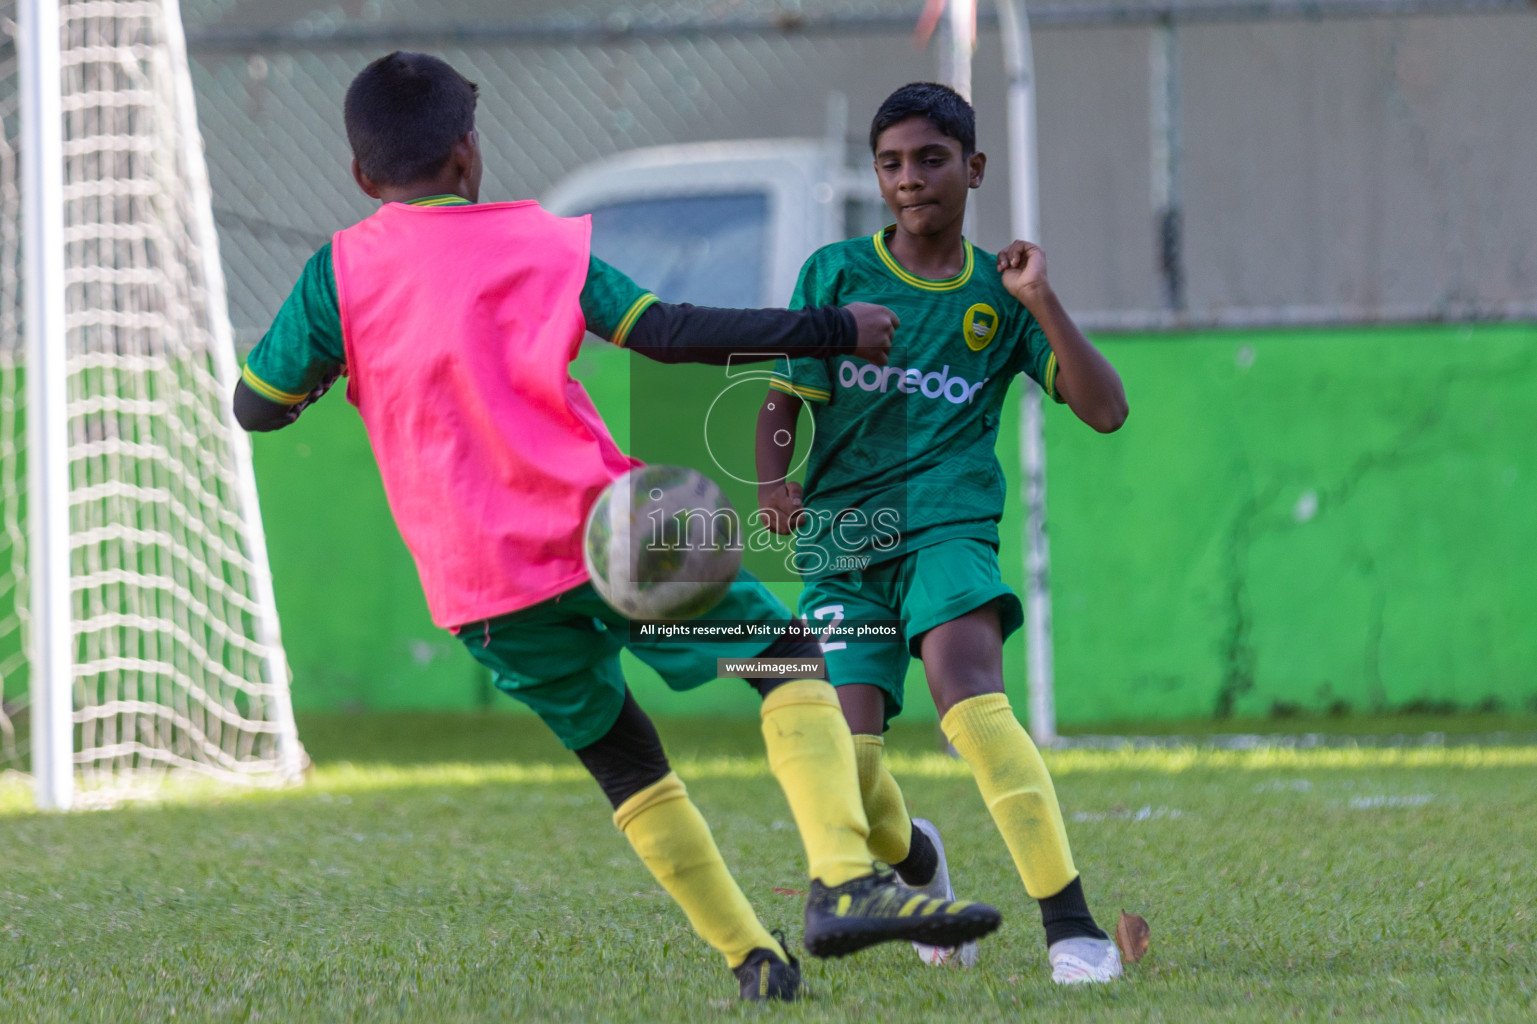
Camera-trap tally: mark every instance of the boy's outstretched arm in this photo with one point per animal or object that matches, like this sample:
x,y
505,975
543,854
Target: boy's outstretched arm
x,y
1085,378
779,500
683,333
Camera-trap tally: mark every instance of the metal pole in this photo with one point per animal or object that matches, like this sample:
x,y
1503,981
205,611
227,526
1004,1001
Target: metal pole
x,y
963,41
51,637
1164,136
1025,205
963,44
211,270
962,31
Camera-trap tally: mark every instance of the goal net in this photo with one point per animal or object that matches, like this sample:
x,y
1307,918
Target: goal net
x,y
138,640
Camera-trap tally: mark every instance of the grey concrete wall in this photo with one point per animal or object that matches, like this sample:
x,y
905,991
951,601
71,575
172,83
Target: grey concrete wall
x,y
1371,167
1382,164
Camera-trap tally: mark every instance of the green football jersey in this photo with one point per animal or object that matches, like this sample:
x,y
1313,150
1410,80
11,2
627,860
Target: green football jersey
x,y
903,455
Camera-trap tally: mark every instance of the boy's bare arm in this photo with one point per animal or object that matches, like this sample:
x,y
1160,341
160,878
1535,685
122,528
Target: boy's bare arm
x,y
779,500
1085,378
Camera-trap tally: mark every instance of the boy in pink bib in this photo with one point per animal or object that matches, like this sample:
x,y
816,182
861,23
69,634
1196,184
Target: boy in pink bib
x,y
456,323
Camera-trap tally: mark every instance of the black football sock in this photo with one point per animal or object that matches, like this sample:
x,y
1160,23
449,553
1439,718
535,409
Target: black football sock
x,y
1066,915
629,757
922,860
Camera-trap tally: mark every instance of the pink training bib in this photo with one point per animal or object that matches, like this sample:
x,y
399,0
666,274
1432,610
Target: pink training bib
x,y
460,324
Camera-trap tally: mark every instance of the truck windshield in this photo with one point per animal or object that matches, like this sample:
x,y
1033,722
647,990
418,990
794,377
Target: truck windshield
x,y
707,250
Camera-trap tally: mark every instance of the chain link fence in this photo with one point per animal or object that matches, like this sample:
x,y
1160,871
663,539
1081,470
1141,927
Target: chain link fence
x,y
1350,161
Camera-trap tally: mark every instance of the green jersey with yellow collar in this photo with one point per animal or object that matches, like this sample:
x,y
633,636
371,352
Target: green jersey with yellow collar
x,y
903,456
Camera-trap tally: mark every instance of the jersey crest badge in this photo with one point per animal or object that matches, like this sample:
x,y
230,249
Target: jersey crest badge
x,y
980,326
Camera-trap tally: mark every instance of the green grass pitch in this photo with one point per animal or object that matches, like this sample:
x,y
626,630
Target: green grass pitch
x,y
463,869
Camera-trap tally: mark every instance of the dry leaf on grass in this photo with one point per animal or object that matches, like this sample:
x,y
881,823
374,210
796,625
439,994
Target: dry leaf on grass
x,y
1131,935
787,892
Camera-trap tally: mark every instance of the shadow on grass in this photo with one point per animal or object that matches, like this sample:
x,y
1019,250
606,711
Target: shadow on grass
x,y
378,754
492,737
414,738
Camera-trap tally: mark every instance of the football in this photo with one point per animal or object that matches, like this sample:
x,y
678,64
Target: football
x,y
662,543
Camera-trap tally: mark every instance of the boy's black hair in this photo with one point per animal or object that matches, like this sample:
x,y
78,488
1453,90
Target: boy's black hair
x,y
404,112
940,105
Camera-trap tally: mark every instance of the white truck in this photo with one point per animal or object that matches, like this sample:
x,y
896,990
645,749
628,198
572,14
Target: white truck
x,y
721,223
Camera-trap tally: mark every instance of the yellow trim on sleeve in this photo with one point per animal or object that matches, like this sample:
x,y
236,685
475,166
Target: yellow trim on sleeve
x,y
947,285
267,391
640,306
799,391
1051,379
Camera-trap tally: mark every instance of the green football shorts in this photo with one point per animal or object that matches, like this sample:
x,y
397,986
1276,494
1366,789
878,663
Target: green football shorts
x,y
561,656
920,590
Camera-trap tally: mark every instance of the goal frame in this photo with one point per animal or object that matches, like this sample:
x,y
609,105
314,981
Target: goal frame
x,y
50,641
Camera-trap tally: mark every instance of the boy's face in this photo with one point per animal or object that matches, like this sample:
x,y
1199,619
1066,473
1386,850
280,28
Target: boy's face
x,y
924,176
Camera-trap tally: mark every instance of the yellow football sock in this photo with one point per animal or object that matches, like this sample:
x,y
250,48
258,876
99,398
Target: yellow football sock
x,y
673,841
1018,791
812,756
891,831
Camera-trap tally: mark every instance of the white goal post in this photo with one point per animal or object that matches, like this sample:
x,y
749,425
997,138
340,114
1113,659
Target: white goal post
x,y
136,604
1025,212
1025,220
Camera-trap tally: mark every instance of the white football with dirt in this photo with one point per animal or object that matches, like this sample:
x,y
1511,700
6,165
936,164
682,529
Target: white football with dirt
x,y
662,543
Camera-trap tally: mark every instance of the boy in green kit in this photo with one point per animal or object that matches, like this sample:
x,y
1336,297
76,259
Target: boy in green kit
x,y
898,521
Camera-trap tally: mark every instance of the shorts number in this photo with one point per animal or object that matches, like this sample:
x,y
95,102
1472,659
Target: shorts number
x,y
835,613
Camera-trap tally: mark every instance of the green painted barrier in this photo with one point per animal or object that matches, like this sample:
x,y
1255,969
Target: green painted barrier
x,y
1302,521
1290,521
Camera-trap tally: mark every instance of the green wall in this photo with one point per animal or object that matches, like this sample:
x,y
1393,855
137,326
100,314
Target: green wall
x,y
1301,520
1288,521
